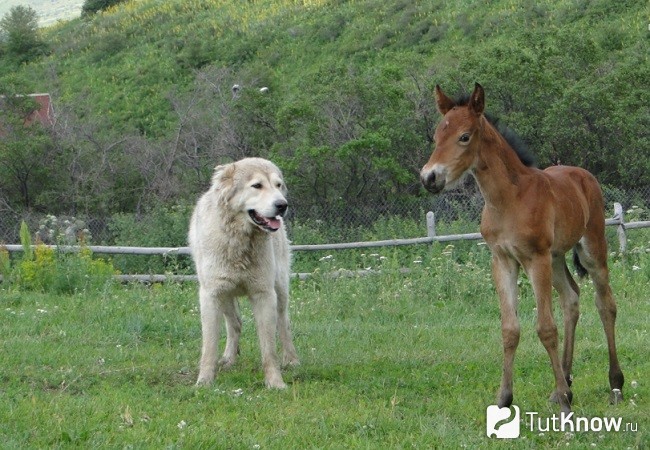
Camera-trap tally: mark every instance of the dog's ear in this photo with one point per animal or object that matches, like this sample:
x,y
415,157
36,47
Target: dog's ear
x,y
223,181
223,175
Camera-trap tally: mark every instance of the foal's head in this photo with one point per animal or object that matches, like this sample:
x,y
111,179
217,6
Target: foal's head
x,y
456,140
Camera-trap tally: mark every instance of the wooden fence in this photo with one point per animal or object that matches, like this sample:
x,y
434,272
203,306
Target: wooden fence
x,y
617,220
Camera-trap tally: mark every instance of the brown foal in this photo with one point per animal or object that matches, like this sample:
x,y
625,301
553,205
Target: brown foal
x,y
531,219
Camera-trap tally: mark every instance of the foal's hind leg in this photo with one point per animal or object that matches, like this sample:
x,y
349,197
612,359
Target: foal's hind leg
x,y
592,251
568,292
539,271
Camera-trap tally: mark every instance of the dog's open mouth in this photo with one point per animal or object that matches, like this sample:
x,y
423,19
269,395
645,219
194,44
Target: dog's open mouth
x,y
266,223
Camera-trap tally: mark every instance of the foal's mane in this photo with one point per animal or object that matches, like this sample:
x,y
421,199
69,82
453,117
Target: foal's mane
x,y
512,138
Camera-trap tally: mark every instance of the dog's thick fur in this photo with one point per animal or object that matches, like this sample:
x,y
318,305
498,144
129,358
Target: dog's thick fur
x,y
240,248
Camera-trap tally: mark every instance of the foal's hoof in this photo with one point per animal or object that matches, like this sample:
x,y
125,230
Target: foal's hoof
x,y
504,398
615,397
563,399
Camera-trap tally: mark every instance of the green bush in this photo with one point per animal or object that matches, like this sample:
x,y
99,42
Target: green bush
x,y
94,6
44,269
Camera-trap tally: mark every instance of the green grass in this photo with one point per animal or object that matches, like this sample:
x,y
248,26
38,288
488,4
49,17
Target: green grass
x,y
388,361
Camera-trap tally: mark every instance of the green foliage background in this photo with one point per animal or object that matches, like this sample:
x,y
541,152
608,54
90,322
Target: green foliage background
x,y
144,106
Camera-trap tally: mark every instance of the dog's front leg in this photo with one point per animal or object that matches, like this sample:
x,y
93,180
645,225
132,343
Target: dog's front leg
x,y
289,355
211,318
266,318
233,331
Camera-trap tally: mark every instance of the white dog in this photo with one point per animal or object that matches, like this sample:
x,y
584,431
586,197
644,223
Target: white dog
x,y
240,247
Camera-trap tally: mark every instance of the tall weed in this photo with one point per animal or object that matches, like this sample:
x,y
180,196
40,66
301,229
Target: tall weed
x,y
43,269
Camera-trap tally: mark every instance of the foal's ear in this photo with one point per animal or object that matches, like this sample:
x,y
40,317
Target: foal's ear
x,y
444,103
477,100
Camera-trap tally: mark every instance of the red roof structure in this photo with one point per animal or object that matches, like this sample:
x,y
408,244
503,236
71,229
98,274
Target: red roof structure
x,y
45,114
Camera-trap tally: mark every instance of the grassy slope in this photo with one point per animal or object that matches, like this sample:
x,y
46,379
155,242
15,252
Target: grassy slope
x,y
127,60
387,362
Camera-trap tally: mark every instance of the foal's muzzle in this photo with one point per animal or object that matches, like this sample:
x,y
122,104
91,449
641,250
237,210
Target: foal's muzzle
x,y
432,182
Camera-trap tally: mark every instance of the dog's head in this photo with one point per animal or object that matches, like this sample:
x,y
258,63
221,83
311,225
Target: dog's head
x,y
253,187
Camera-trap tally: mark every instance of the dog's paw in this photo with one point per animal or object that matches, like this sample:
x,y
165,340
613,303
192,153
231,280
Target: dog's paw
x,y
276,385
275,382
226,363
204,381
290,361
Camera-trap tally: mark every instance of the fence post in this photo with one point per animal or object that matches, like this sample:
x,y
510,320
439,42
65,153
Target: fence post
x,y
431,224
620,229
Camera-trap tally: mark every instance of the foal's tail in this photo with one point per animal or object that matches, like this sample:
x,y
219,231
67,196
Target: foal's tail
x,y
580,269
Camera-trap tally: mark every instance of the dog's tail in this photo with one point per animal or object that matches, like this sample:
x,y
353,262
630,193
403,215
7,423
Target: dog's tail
x,y
580,269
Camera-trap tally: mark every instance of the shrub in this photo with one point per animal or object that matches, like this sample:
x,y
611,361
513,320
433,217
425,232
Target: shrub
x,y
94,6
44,269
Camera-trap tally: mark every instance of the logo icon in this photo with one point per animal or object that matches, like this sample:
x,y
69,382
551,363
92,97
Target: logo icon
x,y
501,423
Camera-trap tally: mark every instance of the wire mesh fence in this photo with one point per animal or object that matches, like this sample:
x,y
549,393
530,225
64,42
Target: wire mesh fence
x,y
335,223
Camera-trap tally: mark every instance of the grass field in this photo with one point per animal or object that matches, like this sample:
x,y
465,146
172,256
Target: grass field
x,y
388,361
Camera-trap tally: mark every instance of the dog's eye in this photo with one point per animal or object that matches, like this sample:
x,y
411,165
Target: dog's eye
x,y
278,185
464,137
257,186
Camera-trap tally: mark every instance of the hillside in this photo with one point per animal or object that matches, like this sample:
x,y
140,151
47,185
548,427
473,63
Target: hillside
x,y
49,11
145,89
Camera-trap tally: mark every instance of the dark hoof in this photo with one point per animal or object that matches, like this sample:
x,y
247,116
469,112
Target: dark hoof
x,y
564,400
504,400
615,397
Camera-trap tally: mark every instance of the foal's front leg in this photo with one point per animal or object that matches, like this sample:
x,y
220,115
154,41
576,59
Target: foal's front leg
x,y
505,270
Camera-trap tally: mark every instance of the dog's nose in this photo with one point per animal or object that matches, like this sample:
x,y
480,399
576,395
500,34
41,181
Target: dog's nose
x,y
281,207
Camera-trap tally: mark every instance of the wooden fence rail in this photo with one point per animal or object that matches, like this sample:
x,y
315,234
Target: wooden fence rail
x,y
617,220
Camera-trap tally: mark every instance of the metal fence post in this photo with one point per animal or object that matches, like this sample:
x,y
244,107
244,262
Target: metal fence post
x,y
620,229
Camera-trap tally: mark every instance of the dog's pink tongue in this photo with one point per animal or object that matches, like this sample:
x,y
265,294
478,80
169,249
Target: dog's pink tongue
x,y
274,222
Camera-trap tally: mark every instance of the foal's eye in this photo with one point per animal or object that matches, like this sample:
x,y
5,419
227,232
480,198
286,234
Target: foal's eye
x,y
464,138
257,186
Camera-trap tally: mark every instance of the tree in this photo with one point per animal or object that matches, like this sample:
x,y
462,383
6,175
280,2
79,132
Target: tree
x,y
24,153
19,28
94,6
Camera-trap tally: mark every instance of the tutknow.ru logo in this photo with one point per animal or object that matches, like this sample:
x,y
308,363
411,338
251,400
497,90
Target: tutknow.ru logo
x,y
503,423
